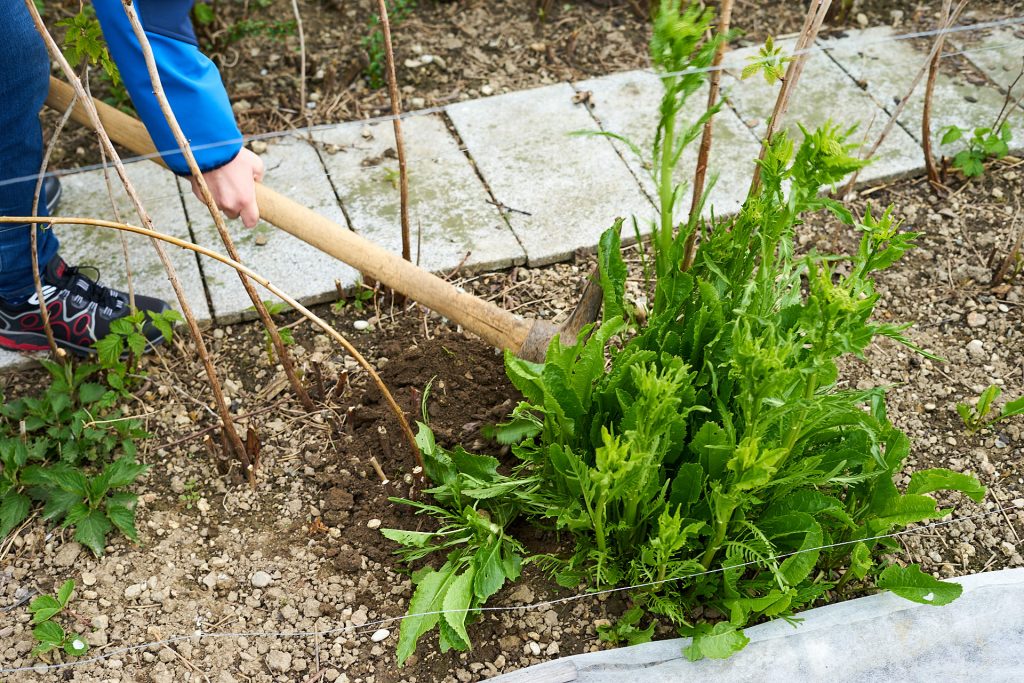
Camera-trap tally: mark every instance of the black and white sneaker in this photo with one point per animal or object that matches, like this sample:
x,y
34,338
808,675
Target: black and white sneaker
x,y
53,190
81,310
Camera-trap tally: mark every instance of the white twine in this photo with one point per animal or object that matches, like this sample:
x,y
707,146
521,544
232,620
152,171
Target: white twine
x,y
375,625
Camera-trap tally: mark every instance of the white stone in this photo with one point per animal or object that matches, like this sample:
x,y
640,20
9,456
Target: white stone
x,y
380,634
976,348
361,325
261,579
278,660
373,524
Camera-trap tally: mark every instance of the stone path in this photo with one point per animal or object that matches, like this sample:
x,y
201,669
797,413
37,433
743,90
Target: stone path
x,y
521,178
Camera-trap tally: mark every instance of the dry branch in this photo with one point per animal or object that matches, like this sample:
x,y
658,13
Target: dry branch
x,y
704,153
396,121
253,275
86,102
812,24
211,205
929,89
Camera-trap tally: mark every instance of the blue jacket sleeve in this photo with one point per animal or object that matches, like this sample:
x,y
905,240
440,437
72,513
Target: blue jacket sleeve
x,y
191,81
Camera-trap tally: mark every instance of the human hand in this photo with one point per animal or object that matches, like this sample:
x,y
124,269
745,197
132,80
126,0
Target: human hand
x,y
233,186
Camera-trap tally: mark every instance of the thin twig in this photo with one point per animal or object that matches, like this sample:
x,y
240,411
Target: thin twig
x,y
929,89
724,19
396,112
812,24
302,56
319,322
144,217
211,205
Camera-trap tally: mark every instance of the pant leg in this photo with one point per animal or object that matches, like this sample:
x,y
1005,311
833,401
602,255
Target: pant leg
x,y
24,82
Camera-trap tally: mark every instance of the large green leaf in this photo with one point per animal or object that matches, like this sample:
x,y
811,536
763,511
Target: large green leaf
x,y
913,584
941,479
14,509
124,519
91,531
44,608
457,601
49,632
719,642
431,587
490,573
123,472
526,377
412,539
613,271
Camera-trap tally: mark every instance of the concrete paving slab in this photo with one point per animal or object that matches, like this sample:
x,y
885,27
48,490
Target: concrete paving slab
x,y
562,190
880,638
825,93
449,211
627,104
998,52
85,194
887,67
293,169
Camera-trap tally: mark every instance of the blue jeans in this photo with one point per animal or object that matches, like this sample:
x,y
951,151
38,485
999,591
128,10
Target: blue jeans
x,y
24,82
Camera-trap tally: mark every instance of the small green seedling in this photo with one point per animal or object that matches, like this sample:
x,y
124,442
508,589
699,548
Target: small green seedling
x,y
119,352
190,497
626,631
984,144
361,299
287,338
769,62
48,633
977,418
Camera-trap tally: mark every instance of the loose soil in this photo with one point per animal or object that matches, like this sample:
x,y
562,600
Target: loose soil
x,y
310,524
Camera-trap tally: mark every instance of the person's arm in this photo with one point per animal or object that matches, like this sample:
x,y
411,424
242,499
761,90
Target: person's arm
x,y
196,93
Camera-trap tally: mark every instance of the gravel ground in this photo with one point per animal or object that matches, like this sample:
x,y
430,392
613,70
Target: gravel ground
x,y
301,553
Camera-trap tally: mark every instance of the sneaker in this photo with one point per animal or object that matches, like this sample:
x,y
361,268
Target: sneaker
x,y
81,310
53,190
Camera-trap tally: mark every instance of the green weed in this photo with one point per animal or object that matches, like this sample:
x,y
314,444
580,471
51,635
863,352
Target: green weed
x,y
980,416
48,633
984,144
373,41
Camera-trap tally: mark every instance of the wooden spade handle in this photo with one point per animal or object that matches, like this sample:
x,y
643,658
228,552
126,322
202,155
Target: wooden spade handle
x,y
494,324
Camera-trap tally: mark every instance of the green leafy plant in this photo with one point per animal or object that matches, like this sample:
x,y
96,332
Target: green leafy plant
x,y
191,496
982,145
84,44
72,449
980,416
275,308
373,41
48,633
362,299
119,352
770,62
706,454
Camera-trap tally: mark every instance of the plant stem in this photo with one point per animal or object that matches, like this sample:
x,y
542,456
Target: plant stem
x,y
929,89
396,122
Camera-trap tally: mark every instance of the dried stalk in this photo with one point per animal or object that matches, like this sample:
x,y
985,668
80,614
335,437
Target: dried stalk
x,y
253,275
33,238
396,122
929,89
302,56
898,111
228,428
724,19
211,205
812,24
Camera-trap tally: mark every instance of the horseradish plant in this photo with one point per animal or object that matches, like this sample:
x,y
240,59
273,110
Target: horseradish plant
x,y
705,453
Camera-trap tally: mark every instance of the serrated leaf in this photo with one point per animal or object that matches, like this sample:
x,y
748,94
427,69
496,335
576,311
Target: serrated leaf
x,y
76,646
952,134
612,270
43,608
941,479
860,561
913,584
457,600
14,509
1011,408
124,520
109,350
90,392
490,574
412,539
49,632
123,472
64,592
91,531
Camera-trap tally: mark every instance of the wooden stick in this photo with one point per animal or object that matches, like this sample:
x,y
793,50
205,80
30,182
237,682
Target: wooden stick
x,y
172,275
351,350
724,19
812,24
211,205
929,89
396,122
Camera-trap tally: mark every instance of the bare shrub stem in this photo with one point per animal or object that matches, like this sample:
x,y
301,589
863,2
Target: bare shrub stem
x,y
396,122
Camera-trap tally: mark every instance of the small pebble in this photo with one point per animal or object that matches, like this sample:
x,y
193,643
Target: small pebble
x,y
975,348
373,524
380,634
361,325
261,579
976,319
